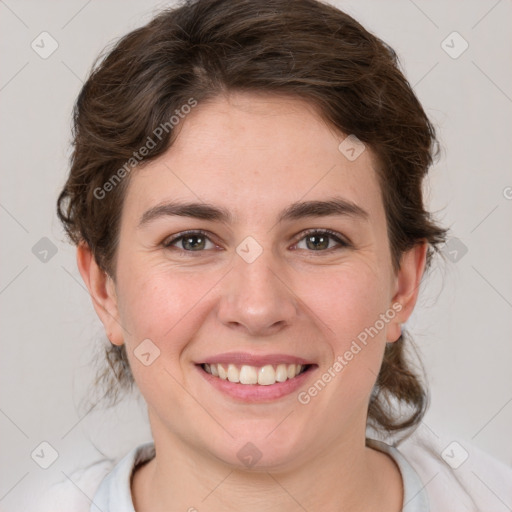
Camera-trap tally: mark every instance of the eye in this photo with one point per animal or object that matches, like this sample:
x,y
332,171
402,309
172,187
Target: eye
x,y
320,240
190,241
197,241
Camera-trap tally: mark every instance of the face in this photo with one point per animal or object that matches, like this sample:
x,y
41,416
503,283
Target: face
x,y
282,267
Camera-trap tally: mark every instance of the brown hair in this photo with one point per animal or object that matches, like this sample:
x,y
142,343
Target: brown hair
x,y
302,48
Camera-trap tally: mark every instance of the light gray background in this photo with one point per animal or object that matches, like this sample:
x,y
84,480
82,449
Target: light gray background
x,y
463,322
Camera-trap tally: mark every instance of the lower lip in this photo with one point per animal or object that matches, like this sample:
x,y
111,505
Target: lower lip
x,y
257,392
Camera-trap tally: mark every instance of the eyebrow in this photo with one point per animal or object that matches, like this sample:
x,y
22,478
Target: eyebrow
x,y
296,211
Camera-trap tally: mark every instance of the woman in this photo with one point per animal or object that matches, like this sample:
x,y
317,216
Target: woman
x,y
245,195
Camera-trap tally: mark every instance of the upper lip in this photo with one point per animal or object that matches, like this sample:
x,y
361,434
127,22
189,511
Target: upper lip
x,y
241,358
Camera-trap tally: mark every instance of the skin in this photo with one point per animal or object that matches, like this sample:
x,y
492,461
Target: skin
x,y
254,155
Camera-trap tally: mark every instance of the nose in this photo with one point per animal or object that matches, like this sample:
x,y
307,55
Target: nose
x,y
256,299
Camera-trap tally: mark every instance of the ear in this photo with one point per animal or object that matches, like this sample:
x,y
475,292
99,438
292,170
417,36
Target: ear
x,y
102,291
407,285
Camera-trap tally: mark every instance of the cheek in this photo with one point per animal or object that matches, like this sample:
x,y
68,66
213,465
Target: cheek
x,y
161,307
164,305
347,300
351,303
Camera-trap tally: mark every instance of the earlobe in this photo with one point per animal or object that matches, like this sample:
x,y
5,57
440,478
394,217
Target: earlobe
x,y
408,280
102,291
394,331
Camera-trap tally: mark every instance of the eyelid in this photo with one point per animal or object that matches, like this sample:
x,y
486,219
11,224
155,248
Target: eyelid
x,y
178,236
338,237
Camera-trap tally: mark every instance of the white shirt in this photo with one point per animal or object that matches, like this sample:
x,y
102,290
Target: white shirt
x,y
439,475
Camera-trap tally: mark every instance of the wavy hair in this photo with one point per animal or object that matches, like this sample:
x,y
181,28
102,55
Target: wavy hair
x,y
301,48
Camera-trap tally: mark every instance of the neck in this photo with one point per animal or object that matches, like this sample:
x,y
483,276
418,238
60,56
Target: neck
x,y
347,476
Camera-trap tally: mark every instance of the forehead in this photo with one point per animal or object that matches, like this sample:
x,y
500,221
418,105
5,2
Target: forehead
x,y
255,154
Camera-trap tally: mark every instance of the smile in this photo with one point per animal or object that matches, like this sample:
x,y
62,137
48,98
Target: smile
x,y
255,378
250,375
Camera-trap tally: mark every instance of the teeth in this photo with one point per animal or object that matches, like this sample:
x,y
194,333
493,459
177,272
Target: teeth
x,y
264,376
281,373
222,372
248,375
267,375
233,373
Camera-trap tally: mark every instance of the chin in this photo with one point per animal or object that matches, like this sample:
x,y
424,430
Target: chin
x,y
253,451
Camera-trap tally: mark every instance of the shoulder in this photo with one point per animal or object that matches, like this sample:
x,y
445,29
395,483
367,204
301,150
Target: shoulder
x,y
74,493
457,475
98,487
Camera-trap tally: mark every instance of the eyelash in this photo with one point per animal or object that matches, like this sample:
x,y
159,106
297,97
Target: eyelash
x,y
168,244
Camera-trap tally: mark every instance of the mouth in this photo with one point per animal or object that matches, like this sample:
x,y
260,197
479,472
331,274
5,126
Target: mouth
x,y
248,375
249,378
